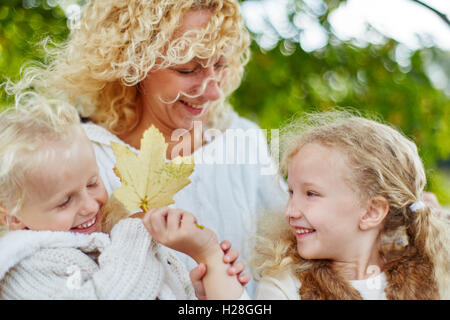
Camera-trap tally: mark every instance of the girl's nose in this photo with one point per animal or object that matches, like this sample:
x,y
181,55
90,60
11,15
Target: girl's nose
x,y
90,206
292,211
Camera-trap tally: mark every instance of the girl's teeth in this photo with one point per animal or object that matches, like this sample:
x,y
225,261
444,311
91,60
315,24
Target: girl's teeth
x,y
86,225
302,231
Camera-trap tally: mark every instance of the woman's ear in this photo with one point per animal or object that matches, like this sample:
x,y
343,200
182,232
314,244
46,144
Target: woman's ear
x,y
377,209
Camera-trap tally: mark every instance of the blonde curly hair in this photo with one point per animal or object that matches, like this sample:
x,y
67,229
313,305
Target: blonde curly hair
x,y
385,163
117,43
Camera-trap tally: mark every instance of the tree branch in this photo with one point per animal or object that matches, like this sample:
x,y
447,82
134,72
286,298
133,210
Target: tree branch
x,y
440,14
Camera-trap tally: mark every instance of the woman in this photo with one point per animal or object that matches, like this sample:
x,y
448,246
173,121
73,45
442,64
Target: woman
x,y
131,64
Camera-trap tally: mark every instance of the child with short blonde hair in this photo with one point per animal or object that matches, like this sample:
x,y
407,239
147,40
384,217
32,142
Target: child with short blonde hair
x,y
354,226
53,202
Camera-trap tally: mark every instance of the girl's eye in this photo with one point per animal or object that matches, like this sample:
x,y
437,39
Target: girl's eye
x,y
290,192
311,193
92,184
64,203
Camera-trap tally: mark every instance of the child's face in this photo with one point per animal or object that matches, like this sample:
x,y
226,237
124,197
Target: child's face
x,y
66,193
323,210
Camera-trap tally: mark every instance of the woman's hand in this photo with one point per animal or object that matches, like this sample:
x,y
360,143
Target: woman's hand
x,y
230,257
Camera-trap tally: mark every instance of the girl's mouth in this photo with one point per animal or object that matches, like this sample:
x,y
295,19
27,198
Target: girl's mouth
x,y
301,232
87,226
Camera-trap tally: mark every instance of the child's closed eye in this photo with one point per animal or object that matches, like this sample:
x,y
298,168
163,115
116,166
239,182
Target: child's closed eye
x,y
311,193
93,183
64,203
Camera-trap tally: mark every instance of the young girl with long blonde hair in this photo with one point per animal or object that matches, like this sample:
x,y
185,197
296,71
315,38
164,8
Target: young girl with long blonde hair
x,y
354,226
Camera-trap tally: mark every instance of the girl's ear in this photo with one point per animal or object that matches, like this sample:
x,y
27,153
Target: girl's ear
x,y
11,222
377,210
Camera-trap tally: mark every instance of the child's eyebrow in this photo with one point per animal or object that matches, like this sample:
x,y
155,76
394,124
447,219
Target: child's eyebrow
x,y
309,184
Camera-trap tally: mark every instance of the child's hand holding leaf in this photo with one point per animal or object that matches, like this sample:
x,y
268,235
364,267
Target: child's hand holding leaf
x,y
176,229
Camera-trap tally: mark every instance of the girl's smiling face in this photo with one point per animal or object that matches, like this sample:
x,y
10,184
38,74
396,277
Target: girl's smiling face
x,y
66,193
323,210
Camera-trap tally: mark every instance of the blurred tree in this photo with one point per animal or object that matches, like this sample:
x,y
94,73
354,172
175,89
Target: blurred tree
x,y
23,24
285,80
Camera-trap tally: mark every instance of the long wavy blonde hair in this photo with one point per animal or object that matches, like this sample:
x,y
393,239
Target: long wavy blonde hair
x,y
385,163
117,43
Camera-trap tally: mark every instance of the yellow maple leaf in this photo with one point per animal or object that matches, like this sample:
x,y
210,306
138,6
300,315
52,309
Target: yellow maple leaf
x,y
148,180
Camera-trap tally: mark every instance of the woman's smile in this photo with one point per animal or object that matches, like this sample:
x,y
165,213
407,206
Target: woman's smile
x,y
193,108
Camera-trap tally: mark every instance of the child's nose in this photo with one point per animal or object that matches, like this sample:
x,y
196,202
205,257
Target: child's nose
x,y
292,211
90,206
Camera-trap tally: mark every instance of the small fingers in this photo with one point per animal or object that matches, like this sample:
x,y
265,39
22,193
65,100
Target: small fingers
x,y
196,276
174,220
155,219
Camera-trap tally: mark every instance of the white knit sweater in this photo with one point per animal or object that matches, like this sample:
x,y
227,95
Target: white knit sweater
x,y
230,185
67,265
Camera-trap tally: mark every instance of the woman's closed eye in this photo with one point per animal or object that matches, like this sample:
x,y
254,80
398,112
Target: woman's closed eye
x,y
219,65
186,71
192,70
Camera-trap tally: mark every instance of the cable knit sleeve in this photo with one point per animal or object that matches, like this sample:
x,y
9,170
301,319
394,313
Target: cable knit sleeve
x,y
129,266
127,269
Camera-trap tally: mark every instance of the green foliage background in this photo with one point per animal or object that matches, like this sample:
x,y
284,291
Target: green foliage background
x,y
286,80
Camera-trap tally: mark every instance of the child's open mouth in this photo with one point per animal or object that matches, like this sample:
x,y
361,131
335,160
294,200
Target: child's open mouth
x,y
301,232
87,226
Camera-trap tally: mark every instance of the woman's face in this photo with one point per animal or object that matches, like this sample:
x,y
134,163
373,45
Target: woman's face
x,y
177,96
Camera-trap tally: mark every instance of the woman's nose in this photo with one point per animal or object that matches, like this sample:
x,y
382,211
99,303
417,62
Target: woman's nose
x,y
211,82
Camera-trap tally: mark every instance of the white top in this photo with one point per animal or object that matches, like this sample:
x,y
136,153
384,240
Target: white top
x,y
68,265
286,286
234,179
